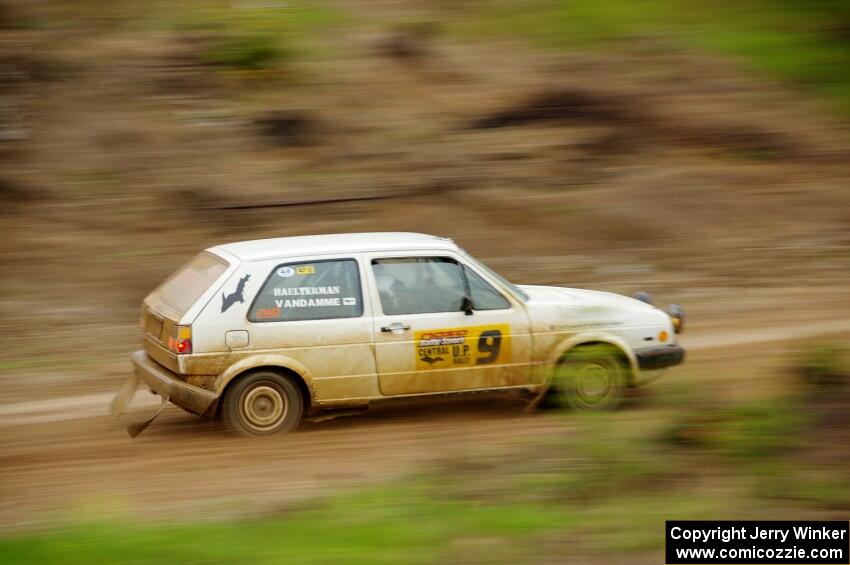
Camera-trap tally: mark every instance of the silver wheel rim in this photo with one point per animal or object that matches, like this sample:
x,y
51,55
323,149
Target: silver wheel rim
x,y
263,407
593,382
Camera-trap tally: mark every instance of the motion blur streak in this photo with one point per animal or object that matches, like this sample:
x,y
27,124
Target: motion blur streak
x,y
695,152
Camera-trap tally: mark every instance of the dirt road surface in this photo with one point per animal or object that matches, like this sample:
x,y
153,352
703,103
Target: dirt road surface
x,y
91,405
66,457
643,168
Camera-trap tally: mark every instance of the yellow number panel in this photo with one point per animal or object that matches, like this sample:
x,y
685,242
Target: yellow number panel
x,y
463,347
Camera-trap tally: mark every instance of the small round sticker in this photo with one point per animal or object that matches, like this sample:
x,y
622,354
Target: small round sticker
x,y
285,272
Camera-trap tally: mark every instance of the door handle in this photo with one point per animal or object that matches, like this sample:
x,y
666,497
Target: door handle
x,y
395,328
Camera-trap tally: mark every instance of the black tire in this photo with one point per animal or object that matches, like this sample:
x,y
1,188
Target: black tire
x,y
591,378
262,404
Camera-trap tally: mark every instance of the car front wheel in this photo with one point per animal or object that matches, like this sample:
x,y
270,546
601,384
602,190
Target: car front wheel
x,y
591,377
263,403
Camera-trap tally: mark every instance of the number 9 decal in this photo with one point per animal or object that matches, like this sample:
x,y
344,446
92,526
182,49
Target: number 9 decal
x,y
489,343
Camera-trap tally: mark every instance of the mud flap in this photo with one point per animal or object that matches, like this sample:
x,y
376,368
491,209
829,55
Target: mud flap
x,y
135,429
124,396
535,402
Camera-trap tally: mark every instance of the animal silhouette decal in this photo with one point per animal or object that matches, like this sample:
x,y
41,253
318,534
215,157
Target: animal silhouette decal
x,y
431,360
236,296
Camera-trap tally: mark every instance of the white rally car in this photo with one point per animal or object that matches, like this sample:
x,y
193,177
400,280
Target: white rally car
x,y
264,332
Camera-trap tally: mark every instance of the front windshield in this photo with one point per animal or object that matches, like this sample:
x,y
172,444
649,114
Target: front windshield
x,y
514,289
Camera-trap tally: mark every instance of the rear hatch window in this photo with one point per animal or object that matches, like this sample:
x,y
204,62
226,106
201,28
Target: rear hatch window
x,y
180,291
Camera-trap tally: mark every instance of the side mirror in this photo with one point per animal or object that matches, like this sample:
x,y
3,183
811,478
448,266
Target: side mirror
x,y
643,297
467,306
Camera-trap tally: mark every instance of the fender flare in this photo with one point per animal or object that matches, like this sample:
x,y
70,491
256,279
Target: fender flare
x,y
264,360
583,338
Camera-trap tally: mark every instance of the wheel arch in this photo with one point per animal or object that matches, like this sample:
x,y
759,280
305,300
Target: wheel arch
x,y
275,363
586,339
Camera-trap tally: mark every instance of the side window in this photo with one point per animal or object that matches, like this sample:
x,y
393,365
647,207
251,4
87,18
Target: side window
x,y
315,290
418,285
483,295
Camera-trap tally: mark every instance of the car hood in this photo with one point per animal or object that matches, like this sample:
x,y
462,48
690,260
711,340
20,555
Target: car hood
x,y
578,298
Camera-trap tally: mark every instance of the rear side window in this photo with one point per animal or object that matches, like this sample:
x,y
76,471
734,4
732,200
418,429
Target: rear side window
x,y
182,289
315,290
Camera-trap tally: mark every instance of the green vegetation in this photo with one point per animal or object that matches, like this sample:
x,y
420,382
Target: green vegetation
x,y
234,35
249,52
412,522
392,525
251,36
804,42
825,365
801,42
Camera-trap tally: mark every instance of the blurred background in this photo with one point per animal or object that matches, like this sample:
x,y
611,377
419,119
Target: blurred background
x,y
698,151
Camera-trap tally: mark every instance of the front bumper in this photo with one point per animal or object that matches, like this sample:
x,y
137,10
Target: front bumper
x,y
660,357
164,383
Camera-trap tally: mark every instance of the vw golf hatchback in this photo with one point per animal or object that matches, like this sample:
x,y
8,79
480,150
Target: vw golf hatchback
x,y
264,332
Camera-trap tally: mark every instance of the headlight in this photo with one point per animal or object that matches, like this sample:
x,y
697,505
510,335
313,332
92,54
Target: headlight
x,y
677,315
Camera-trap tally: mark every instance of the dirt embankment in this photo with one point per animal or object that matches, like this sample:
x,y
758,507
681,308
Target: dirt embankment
x,y
129,152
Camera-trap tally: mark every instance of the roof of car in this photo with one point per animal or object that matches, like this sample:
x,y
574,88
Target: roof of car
x,y
260,249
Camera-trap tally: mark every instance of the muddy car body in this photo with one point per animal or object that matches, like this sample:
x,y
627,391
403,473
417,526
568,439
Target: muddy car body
x,y
266,331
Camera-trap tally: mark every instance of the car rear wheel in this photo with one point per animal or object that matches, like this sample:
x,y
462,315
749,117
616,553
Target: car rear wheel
x,y
592,377
263,403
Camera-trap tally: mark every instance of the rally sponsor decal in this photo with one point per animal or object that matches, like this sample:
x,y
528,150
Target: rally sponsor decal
x,y
308,297
463,347
267,313
287,271
306,290
307,302
309,291
238,295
